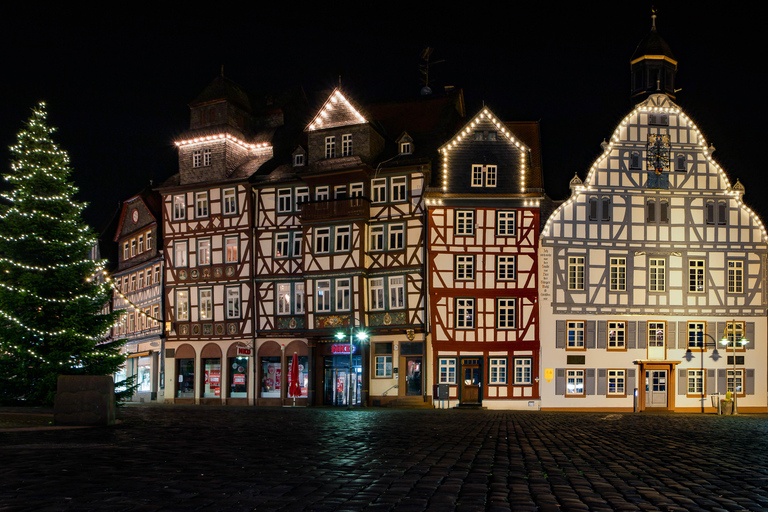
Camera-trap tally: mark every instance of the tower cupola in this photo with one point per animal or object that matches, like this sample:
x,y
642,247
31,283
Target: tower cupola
x,y
653,67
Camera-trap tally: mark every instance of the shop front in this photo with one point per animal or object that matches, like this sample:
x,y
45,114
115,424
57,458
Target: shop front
x,y
340,386
274,373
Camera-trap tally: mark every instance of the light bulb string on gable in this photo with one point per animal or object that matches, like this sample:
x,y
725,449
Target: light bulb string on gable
x,y
128,301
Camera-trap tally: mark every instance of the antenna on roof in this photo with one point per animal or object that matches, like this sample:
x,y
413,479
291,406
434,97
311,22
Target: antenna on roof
x,y
653,18
424,68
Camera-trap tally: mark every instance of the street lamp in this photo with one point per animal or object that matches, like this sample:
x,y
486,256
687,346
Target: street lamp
x,y
725,342
361,336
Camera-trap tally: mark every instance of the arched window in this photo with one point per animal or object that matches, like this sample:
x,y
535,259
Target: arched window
x,y
634,160
680,163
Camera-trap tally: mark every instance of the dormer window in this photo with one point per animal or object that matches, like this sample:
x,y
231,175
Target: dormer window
x,y
406,148
298,160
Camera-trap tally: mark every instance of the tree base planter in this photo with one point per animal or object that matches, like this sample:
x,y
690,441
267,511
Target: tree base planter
x,y
726,407
84,400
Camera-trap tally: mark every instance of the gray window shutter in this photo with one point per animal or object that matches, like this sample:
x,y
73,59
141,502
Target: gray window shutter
x,y
711,382
642,337
712,331
602,334
750,335
631,381
631,335
560,334
590,381
671,335
722,383
682,334
590,343
560,381
602,381
720,331
682,382
749,381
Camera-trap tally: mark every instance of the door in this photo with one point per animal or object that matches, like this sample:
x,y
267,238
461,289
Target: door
x,y
471,379
413,376
656,388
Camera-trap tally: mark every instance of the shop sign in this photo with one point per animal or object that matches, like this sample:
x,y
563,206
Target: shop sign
x,y
242,351
214,377
341,348
238,378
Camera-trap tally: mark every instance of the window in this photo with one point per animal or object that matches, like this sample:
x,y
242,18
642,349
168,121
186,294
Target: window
x,y
664,211
377,238
148,275
574,382
382,360
298,298
179,208
497,371
465,268
133,247
233,302
342,294
322,193
505,268
696,276
735,277
282,243
206,157
656,334
576,272
657,275
505,313
182,305
592,208
302,196
617,335
342,239
206,304
405,148
197,158
617,382
618,274
396,234
465,223
734,331
465,313
634,160
126,251
696,332
296,251
322,240
283,299
575,334
651,211
330,147
284,200
340,192
523,370
346,144
695,382
478,135
141,244
721,212
657,211
180,254
484,175
396,292
157,274
231,249
148,238
133,282
477,175
155,315
379,187
323,296
735,378
356,190
204,252
710,212
376,287
141,280
505,223
447,370
201,204
298,160
398,189
606,210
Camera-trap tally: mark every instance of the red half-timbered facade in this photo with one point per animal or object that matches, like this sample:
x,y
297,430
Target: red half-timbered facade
x,y
484,220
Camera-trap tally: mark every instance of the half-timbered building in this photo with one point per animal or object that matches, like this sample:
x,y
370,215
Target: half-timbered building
x,y
137,293
651,262
340,250
484,214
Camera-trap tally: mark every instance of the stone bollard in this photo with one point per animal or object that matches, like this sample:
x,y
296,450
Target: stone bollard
x,y
84,400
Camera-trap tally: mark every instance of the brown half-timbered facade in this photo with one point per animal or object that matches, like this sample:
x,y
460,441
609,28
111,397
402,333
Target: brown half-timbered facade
x,y
484,219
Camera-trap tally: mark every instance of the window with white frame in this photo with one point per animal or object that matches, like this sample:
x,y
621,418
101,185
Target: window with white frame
x,y
735,380
322,193
398,187
204,251
465,268
405,148
735,277
323,295
282,244
377,237
465,313
505,223
376,287
696,333
233,302
657,275
346,144
298,298
356,190
575,334
284,200
141,280
182,305
523,370
283,298
382,353
656,334
201,204
133,282
340,192
497,370
330,147
179,207
197,158
695,382
696,276
617,335
343,292
180,254
734,331
396,235
126,250
157,274
298,160
133,247
379,190
484,175
396,292
465,223
155,315
617,382
148,238
505,313
141,245
296,251
231,247
342,239
206,157
618,274
574,382
505,268
205,308
148,275
447,370
322,240
576,272
302,196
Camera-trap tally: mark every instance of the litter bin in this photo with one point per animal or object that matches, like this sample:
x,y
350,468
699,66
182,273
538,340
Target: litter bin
x,y
715,397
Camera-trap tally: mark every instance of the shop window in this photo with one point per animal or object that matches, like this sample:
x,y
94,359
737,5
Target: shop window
x,y
271,375
238,377
212,378
185,369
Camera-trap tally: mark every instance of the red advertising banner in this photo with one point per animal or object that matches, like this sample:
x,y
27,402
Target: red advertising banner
x,y
238,378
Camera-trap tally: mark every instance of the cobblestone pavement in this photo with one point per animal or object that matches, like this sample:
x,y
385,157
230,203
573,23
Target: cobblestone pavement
x,y
232,458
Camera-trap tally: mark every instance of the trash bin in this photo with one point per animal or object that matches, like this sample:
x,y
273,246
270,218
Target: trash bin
x,y
726,407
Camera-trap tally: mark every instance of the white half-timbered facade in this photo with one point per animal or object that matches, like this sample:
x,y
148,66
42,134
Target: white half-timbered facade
x,y
484,219
650,263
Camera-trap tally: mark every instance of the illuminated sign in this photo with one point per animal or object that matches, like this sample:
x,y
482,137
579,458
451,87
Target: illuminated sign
x,y
341,348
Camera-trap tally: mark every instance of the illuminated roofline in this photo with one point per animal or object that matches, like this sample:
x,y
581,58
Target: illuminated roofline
x,y
222,136
335,97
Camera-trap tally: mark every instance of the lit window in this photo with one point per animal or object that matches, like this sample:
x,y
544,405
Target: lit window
x,y
179,208
505,313
576,272
377,293
201,204
618,274
657,275
298,298
617,380
505,268
696,276
204,252
465,313
447,369
233,302
396,292
182,305
735,277
180,254
505,223
574,382
497,372
231,249
465,223
465,268
206,304
576,334
283,299
617,335
523,370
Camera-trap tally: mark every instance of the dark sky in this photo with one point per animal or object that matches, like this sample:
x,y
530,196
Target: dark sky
x,y
118,84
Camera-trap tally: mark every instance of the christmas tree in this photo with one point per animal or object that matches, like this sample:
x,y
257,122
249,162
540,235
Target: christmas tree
x,y
52,295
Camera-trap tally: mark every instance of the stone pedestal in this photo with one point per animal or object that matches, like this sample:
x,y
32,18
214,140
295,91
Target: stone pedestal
x,y
84,400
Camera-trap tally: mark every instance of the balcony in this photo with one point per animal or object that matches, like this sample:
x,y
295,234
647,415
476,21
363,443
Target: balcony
x,y
333,209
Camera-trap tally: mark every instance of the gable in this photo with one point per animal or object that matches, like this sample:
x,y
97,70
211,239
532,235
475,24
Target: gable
x,y
336,112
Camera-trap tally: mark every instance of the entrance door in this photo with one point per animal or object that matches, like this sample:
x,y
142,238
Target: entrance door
x,y
471,377
656,388
413,376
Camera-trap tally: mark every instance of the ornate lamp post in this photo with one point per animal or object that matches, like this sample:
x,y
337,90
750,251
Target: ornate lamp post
x,y
743,341
361,336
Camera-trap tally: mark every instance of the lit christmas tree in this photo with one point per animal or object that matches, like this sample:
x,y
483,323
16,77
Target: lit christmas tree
x,y
51,293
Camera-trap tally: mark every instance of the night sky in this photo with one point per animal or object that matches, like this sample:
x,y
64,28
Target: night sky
x,y
117,85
